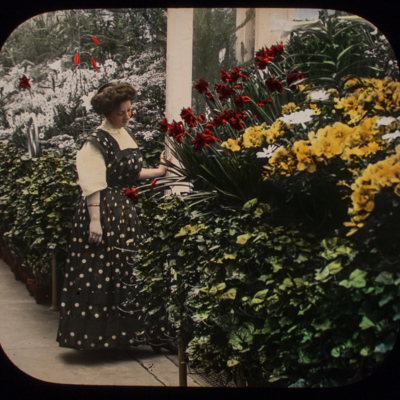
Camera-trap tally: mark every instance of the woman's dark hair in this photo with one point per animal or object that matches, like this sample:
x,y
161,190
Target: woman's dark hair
x,y
111,95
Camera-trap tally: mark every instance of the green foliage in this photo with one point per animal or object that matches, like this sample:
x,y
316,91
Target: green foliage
x,y
37,199
267,300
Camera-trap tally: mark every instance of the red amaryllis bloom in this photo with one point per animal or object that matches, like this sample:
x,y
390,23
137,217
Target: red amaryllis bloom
x,y
164,125
224,91
95,40
294,76
264,101
274,85
201,118
94,64
261,62
24,82
76,59
203,139
176,130
236,122
188,116
153,184
235,74
238,86
201,86
131,194
240,100
275,50
220,119
210,96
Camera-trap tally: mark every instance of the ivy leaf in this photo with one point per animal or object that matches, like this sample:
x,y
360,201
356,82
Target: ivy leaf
x,y
366,323
242,239
229,295
259,297
385,277
319,276
334,267
250,204
231,363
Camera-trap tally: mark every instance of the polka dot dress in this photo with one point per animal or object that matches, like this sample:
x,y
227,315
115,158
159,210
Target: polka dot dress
x,y
94,283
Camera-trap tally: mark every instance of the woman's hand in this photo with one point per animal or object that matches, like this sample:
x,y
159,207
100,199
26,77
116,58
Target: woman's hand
x,y
95,231
163,168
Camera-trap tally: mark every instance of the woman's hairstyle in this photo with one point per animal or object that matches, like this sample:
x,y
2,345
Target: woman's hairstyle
x,y
110,96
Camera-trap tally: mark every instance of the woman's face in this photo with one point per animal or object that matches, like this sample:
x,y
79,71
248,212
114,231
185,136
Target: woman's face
x,y
121,116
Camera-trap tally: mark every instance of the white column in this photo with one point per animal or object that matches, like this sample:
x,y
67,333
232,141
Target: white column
x,y
244,36
179,66
270,23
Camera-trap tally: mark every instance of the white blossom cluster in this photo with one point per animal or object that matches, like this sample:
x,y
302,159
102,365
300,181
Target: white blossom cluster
x,y
63,89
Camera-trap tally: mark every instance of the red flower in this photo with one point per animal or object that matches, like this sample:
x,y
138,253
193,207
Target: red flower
x,y
265,54
203,139
210,96
235,74
201,118
131,194
164,125
219,119
224,91
236,122
95,40
24,82
275,50
201,86
264,101
240,100
153,184
274,85
294,76
225,77
238,86
76,59
188,116
176,130
94,64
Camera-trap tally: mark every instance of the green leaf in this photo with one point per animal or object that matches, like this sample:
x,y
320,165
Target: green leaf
x,y
250,204
242,239
229,295
385,277
366,323
230,363
322,326
334,267
322,275
259,297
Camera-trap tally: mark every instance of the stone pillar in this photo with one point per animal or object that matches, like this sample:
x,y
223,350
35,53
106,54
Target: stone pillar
x,y
179,67
244,36
270,23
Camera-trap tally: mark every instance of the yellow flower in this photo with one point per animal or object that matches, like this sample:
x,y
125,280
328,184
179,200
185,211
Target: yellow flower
x,y
327,147
305,156
363,199
253,137
232,144
281,162
290,107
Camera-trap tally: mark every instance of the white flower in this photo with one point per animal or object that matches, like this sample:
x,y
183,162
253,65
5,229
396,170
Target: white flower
x,y
319,95
267,152
391,136
298,117
148,135
385,121
41,135
86,100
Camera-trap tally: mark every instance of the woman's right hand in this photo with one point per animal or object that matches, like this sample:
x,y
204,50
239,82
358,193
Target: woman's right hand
x,y
95,231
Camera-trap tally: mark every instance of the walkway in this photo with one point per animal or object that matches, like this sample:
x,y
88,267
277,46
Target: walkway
x,y
27,336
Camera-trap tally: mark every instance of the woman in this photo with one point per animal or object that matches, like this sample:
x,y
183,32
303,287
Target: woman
x,y
105,223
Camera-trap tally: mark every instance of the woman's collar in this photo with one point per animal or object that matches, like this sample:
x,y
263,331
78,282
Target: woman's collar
x,y
107,126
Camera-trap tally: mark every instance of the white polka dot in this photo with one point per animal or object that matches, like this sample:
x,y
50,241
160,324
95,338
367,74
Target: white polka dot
x,y
96,315
74,239
90,269
72,334
113,307
90,307
80,240
98,286
107,279
83,313
105,344
93,255
121,235
87,284
100,337
73,254
117,270
107,264
123,333
71,283
113,337
101,256
105,309
76,304
100,271
92,345
86,246
83,261
79,342
118,285
86,336
62,304
130,341
81,275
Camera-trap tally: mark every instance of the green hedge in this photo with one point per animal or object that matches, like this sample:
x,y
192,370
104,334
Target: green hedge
x,y
37,201
271,303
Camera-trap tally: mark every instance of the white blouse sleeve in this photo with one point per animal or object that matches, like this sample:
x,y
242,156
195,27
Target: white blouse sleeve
x,y
91,169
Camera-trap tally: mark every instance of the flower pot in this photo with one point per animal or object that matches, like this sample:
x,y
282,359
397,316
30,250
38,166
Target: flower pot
x,y
22,273
41,293
29,285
